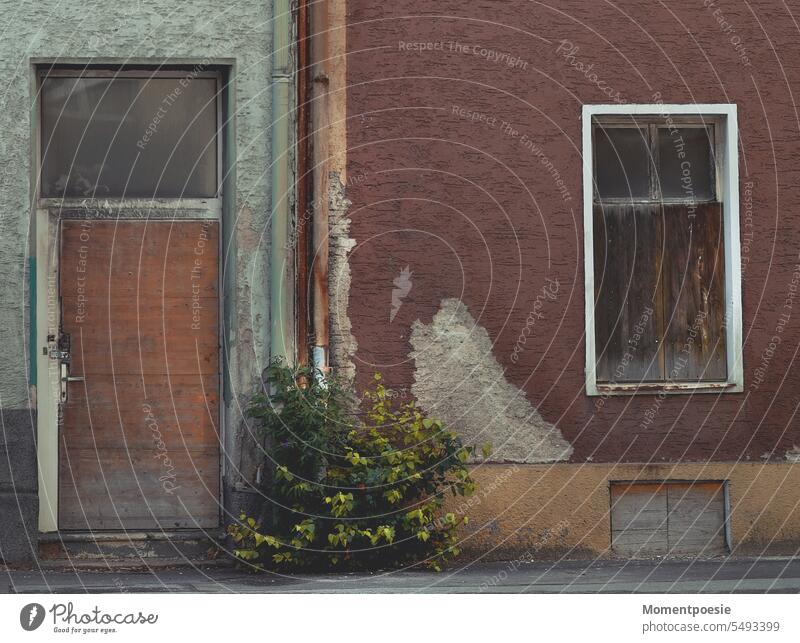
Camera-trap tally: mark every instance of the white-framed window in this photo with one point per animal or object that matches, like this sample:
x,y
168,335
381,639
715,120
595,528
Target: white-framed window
x,y
661,247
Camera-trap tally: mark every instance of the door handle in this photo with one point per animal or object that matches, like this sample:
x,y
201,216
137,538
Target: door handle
x,y
66,379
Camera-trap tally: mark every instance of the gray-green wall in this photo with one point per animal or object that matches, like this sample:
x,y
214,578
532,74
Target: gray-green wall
x,y
238,32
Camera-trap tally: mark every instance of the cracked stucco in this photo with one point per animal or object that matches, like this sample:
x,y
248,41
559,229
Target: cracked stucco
x,y
458,379
793,454
343,343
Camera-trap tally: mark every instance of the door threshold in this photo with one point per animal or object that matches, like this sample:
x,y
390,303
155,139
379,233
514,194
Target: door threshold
x,y
138,548
124,536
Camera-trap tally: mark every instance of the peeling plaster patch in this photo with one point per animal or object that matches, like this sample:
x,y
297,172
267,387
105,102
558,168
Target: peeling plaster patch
x,y
343,344
458,380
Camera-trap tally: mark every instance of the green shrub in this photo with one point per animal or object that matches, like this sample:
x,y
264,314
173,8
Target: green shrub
x,y
356,491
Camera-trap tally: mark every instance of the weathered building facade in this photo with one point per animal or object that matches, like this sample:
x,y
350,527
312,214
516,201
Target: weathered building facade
x,y
478,206
578,247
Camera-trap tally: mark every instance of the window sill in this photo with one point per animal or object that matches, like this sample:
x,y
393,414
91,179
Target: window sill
x,y
610,201
671,388
127,202
161,208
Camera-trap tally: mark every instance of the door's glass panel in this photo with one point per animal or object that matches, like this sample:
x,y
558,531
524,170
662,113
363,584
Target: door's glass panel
x,y
129,137
622,158
686,163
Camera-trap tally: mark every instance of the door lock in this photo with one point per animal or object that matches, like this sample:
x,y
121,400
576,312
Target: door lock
x,y
61,350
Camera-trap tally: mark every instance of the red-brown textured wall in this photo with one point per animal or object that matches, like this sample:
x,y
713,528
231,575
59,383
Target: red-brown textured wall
x,y
477,216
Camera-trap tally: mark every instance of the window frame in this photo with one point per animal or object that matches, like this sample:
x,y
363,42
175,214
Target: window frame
x,y
183,207
726,149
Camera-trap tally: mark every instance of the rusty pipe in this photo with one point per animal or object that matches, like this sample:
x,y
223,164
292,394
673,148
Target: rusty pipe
x,y
304,213
320,136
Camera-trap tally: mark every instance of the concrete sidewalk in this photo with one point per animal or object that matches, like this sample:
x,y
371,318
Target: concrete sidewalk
x,y
677,576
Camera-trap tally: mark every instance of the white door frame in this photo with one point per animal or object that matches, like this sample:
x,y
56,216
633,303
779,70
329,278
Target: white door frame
x,y
48,385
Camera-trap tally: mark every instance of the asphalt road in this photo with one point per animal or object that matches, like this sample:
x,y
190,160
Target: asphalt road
x,y
780,575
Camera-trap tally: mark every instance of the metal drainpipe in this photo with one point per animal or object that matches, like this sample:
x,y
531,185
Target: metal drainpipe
x,y
320,131
281,286
304,176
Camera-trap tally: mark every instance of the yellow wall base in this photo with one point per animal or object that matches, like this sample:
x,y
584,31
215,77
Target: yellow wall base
x,y
563,510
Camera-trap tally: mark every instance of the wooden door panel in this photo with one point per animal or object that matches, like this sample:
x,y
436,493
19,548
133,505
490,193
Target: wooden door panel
x,y
130,489
139,444
180,410
163,334
140,258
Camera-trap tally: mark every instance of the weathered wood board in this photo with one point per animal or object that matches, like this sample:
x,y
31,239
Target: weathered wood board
x,y
139,445
672,518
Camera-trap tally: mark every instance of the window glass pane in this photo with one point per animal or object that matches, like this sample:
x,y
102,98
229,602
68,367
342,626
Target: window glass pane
x,y
621,162
686,163
129,137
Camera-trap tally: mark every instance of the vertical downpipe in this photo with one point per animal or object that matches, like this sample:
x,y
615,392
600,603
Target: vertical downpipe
x,y
320,128
281,265
303,210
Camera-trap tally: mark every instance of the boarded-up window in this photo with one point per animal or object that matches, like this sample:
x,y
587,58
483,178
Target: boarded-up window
x,y
676,518
659,255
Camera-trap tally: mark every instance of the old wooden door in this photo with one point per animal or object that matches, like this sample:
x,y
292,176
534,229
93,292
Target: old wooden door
x,y
139,445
